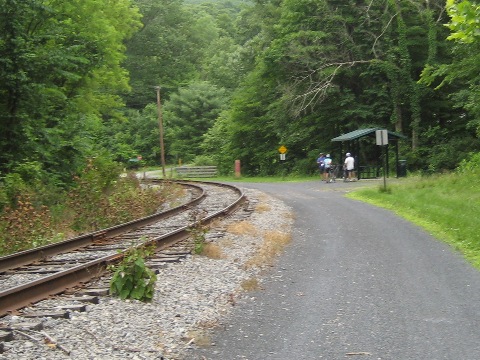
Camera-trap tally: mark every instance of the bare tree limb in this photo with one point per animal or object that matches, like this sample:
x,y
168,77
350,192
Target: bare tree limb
x,y
317,89
383,32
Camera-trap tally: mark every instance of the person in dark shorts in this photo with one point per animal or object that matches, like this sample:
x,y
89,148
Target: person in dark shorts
x,y
349,166
327,164
320,163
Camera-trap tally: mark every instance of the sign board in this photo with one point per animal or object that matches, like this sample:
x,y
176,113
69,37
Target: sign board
x,y
282,156
282,149
382,137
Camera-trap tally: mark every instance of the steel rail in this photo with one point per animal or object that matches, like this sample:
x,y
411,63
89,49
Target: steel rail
x,y
41,253
24,295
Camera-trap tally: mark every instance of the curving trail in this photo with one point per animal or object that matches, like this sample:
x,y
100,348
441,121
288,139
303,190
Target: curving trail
x,y
357,282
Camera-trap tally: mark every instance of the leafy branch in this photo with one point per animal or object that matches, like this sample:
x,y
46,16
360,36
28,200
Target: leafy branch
x,y
132,279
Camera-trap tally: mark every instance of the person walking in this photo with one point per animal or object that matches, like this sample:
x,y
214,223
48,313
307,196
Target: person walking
x,y
349,166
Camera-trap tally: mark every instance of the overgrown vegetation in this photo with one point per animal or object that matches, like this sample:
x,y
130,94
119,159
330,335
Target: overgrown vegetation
x,y
132,279
445,205
197,230
24,226
99,198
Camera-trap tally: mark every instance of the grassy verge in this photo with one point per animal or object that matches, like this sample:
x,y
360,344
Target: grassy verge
x,y
446,206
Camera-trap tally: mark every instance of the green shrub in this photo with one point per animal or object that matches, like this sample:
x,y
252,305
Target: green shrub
x,y
204,160
12,187
306,166
470,166
132,279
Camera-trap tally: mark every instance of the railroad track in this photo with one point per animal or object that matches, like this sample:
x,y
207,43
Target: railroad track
x,y
34,275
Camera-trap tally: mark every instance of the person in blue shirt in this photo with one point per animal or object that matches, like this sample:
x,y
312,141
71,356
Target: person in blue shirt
x,y
320,163
327,163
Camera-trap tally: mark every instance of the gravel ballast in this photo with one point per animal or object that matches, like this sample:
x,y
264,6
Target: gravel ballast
x,y
191,297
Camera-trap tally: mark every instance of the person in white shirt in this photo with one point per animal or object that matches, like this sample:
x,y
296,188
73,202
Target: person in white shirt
x,y
349,166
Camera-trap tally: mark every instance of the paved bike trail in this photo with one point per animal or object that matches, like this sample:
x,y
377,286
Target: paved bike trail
x,y
357,282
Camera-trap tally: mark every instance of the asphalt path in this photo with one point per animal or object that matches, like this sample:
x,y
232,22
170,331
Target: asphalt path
x,y
357,282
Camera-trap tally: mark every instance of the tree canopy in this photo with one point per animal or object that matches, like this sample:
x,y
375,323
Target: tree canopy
x,y
238,79
61,76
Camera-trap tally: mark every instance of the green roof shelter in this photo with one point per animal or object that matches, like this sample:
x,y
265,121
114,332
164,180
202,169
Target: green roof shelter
x,y
362,145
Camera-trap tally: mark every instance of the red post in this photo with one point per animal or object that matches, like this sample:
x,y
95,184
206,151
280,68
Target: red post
x,y
237,168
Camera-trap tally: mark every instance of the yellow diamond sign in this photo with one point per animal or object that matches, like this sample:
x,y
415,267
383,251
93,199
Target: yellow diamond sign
x,y
282,149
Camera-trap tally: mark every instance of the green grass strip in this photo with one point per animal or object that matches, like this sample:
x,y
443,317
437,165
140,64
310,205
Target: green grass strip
x,y
446,206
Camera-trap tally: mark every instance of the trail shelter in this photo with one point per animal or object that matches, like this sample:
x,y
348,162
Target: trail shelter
x,y
362,145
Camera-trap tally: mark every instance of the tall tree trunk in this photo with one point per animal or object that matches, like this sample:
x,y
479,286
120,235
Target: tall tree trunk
x,y
410,85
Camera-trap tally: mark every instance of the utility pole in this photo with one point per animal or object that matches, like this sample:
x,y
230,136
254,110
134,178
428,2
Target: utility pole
x,y
160,124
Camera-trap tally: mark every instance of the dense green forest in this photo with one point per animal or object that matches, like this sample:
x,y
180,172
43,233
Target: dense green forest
x,y
237,80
